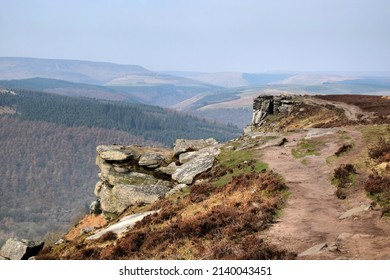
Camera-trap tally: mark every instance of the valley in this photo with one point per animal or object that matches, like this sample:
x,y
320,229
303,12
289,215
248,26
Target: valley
x,y
276,190
48,152
308,178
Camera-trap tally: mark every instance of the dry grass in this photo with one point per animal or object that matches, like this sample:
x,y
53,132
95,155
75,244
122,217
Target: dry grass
x,y
95,221
209,223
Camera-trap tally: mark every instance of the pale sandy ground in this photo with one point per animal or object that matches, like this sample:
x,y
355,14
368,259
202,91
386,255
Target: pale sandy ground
x,y
311,216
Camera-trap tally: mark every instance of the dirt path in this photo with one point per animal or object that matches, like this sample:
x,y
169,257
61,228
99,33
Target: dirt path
x,y
351,111
312,213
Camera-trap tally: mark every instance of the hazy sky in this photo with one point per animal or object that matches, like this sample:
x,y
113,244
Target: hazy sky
x,y
203,35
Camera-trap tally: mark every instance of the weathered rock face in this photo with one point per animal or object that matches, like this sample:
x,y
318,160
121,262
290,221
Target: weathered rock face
x,y
131,175
271,105
20,249
116,152
185,145
151,160
185,173
168,170
119,197
212,151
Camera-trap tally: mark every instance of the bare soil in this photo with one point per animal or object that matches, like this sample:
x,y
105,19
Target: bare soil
x,y
311,216
95,221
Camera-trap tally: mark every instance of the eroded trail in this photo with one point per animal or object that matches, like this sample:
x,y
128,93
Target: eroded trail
x,y
312,214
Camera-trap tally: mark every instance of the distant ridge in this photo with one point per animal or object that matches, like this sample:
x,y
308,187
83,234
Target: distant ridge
x,y
121,82
63,69
89,72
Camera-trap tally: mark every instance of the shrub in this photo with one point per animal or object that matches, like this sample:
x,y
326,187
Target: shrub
x,y
382,148
200,192
340,193
108,236
342,177
377,184
250,248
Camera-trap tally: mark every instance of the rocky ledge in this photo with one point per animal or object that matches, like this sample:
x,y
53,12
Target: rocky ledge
x,y
265,105
134,175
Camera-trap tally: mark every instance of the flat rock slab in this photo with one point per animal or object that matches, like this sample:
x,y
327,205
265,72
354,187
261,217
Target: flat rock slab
x,y
124,224
186,145
354,211
185,173
318,132
169,170
314,250
151,160
212,151
115,152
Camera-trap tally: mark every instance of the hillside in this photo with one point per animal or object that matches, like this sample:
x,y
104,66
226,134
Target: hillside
x,y
68,70
308,180
152,123
227,105
98,80
66,88
234,79
47,171
48,143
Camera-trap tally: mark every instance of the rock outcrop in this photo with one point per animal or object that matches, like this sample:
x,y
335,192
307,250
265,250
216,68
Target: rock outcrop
x,y
265,105
185,145
186,173
20,249
132,175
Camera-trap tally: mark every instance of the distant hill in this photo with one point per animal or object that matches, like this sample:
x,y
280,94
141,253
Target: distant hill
x,y
150,122
234,79
232,105
111,81
68,70
66,88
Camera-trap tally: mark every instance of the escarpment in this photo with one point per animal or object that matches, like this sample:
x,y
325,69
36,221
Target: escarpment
x,y
266,105
201,197
284,113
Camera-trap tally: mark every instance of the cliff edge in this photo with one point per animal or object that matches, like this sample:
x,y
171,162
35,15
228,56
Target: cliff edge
x,y
294,185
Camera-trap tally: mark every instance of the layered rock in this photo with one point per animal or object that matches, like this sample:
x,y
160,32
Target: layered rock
x,y
184,145
186,173
132,175
266,105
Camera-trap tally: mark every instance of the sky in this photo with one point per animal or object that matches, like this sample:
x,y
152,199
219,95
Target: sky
x,y
203,35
